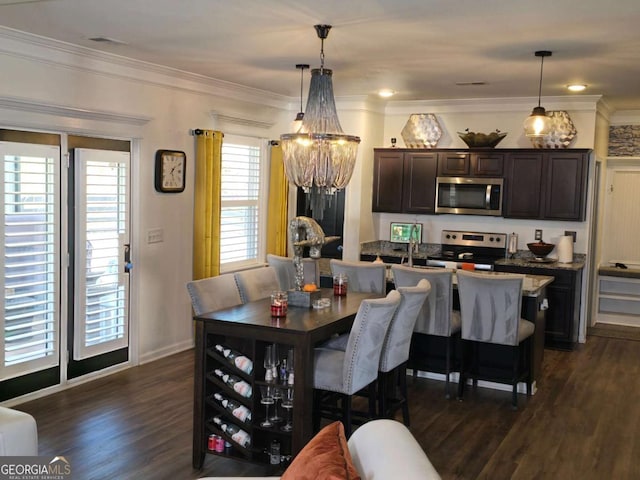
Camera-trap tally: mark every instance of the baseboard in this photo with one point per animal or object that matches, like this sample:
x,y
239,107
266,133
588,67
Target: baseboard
x,y
165,352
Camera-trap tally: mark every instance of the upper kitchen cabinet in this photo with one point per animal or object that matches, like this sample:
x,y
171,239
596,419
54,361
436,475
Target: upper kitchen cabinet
x,y
404,181
549,185
477,164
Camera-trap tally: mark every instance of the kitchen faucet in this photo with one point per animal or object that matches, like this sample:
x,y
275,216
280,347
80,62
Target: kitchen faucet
x,y
413,245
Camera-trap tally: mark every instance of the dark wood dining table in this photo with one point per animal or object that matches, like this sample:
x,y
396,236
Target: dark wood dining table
x,y
251,327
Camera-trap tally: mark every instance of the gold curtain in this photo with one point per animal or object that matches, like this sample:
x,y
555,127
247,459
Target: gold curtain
x,y
278,205
206,227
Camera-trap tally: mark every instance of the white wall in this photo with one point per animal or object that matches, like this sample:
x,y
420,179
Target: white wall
x,y
63,89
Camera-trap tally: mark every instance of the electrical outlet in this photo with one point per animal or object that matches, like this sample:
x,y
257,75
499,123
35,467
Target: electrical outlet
x,y
538,236
573,234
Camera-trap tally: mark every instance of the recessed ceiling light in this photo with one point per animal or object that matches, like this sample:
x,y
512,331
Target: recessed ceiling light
x,y
386,93
576,87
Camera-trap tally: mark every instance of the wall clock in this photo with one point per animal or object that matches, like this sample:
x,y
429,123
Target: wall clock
x,y
171,166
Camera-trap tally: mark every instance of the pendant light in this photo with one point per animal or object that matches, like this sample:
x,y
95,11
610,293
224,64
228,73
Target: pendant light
x,y
320,158
538,123
297,123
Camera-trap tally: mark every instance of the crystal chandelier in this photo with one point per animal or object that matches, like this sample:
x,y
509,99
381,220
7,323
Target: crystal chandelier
x,y
320,158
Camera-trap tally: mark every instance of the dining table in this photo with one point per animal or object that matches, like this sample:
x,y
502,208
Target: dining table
x,y
249,328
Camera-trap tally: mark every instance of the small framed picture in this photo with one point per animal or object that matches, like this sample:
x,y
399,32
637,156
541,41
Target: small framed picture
x,y
171,167
400,232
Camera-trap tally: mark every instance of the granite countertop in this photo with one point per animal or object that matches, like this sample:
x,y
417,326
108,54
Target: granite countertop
x,y
522,257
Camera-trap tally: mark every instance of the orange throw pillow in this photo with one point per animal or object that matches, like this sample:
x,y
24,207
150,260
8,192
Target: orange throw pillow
x,y
325,457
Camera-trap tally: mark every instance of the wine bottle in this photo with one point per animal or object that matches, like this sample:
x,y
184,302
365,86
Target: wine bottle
x,y
238,410
239,386
236,358
236,433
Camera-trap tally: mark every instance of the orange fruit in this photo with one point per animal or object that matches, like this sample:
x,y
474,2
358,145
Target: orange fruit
x,y
309,287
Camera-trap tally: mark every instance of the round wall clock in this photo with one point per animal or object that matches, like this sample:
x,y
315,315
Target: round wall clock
x,y
171,166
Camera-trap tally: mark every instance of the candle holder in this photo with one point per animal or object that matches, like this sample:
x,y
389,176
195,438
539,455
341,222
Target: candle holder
x,y
279,304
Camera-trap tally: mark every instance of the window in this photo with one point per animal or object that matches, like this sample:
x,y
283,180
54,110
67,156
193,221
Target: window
x,y
243,202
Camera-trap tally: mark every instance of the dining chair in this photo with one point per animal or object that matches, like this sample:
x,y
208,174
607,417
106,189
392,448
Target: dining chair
x,y
437,318
286,271
256,283
213,293
361,276
490,307
345,372
395,349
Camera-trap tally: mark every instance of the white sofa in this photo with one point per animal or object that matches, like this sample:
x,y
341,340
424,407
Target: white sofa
x,y
383,450
18,433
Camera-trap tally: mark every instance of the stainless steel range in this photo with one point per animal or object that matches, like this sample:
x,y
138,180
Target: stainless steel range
x,y
480,248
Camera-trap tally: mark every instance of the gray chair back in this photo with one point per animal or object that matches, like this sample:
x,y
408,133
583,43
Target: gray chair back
x,y
256,283
395,349
436,316
369,329
362,276
286,271
490,307
213,293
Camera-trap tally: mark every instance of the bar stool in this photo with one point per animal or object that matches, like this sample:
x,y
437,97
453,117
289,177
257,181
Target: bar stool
x,y
362,276
490,309
437,317
345,372
213,293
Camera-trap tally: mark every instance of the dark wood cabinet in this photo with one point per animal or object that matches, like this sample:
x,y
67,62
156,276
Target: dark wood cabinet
x,y
454,164
549,185
563,295
404,181
477,164
332,222
540,184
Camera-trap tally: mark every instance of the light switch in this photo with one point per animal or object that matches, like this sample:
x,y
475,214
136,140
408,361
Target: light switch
x,y
155,235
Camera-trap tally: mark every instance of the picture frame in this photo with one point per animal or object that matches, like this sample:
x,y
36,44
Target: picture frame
x,y
399,232
170,171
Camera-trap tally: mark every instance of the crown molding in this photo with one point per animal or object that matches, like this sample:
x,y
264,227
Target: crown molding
x,y
53,52
235,120
483,105
35,106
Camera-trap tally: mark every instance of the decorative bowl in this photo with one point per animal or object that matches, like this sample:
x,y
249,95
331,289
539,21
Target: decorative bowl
x,y
541,249
477,139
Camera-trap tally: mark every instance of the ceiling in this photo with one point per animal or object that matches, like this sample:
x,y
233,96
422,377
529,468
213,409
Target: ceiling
x,y
419,48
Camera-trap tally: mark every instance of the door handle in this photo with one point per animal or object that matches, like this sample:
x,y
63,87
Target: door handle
x,y
127,258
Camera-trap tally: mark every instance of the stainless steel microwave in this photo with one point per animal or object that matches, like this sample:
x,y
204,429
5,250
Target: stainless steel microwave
x,y
469,196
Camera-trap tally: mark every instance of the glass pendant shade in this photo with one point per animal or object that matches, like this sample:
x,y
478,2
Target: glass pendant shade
x,y
538,124
320,158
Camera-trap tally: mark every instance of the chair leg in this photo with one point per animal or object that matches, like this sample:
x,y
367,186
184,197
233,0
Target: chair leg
x,y
316,411
516,374
382,395
346,414
529,359
447,372
402,383
372,398
461,378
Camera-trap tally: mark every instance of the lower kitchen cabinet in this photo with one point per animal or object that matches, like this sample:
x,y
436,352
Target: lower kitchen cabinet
x,y
563,295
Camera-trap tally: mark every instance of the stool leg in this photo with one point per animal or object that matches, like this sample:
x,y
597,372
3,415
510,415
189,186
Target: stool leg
x,y
402,383
382,397
346,414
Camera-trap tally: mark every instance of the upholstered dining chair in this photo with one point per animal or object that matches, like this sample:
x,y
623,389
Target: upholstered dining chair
x,y
213,293
395,349
362,276
256,283
345,372
490,307
437,317
286,271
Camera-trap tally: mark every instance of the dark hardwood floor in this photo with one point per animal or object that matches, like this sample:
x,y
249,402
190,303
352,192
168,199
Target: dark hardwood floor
x,y
584,422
